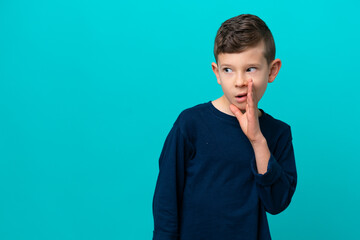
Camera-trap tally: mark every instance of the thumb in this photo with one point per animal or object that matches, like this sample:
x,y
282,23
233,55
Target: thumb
x,y
236,111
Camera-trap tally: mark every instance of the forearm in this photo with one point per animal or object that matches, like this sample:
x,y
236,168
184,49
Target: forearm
x,y
275,174
262,154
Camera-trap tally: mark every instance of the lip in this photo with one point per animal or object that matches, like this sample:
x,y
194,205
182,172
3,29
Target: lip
x,y
241,98
241,94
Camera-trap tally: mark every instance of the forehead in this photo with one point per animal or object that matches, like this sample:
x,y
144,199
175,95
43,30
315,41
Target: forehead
x,y
251,55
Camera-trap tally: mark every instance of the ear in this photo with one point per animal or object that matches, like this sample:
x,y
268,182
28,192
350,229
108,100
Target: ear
x,y
274,69
216,71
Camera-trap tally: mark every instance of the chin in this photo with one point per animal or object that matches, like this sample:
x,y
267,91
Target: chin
x,y
241,106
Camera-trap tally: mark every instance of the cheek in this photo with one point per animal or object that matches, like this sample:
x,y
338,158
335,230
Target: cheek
x,y
259,90
226,89
260,80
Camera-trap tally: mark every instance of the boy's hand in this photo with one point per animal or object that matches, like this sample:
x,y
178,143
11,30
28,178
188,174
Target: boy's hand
x,y
249,121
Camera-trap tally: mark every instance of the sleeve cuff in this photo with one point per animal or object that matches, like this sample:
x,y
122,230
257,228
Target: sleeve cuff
x,y
164,236
272,174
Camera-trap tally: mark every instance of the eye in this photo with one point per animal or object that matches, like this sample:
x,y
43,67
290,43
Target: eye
x,y
251,69
227,70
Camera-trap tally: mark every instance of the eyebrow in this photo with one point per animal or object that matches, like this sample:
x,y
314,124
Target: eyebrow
x,y
247,65
225,65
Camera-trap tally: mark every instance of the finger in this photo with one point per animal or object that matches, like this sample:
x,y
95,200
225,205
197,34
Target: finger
x,y
253,93
248,111
236,111
252,102
250,97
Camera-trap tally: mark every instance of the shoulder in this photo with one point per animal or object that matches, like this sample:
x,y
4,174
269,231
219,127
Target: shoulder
x,y
189,119
273,126
192,113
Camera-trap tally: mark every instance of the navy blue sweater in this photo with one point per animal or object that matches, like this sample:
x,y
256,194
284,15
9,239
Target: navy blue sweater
x,y
208,187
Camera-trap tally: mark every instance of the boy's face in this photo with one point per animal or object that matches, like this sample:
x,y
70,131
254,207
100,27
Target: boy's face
x,y
235,69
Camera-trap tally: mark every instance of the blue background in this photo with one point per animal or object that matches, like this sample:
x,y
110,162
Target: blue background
x,y
90,89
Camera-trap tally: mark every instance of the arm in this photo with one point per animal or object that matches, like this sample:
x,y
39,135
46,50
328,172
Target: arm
x,y
170,184
277,184
262,154
275,174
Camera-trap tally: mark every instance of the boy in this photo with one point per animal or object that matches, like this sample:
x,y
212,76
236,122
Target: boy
x,y
225,163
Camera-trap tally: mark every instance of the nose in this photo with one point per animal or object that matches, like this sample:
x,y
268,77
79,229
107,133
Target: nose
x,y
240,80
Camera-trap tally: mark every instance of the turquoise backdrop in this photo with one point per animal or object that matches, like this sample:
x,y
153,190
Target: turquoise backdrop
x,y
90,89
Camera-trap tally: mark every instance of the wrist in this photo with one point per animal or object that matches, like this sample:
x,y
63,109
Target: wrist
x,y
258,141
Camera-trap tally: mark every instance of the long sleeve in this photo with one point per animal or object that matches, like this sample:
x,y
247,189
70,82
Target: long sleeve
x,y
170,185
277,186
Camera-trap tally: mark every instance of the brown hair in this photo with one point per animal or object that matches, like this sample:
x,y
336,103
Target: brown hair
x,y
243,31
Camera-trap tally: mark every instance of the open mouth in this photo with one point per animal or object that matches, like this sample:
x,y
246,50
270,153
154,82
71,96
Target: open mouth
x,y
241,97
